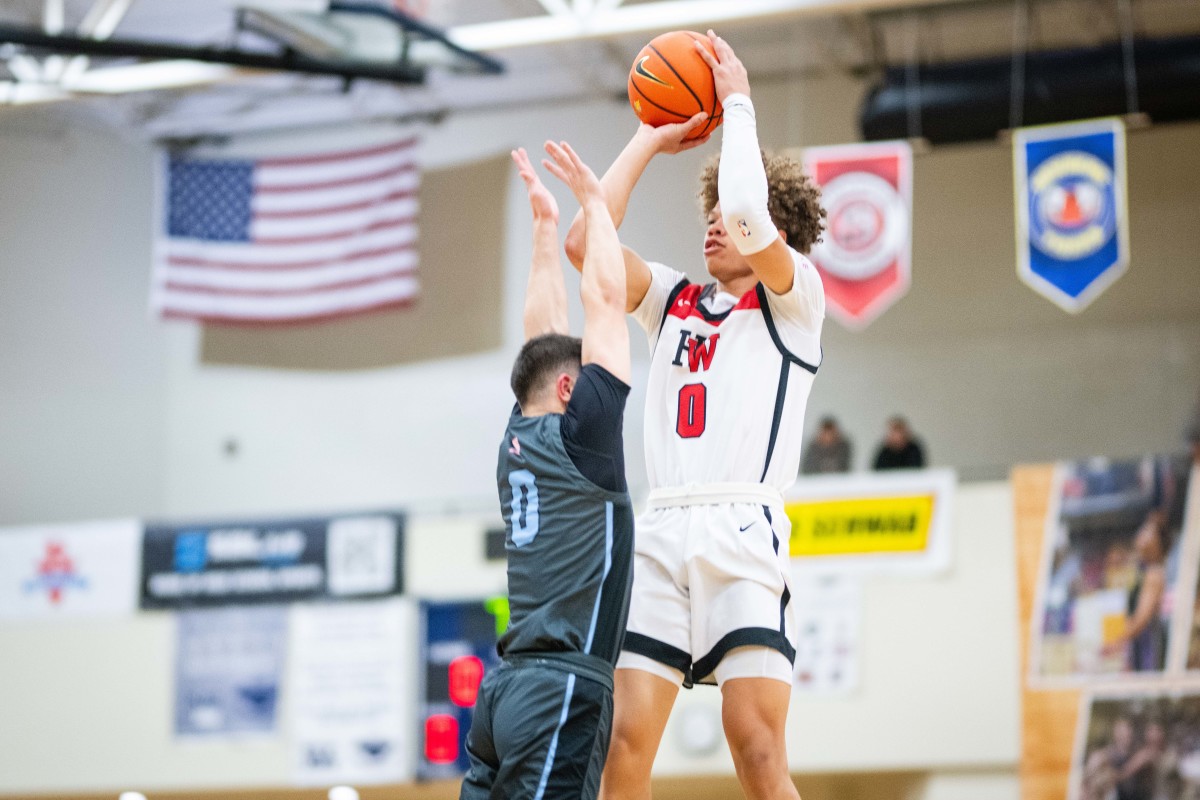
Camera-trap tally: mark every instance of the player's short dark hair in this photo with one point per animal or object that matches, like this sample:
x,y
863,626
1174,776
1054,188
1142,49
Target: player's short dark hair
x,y
793,199
542,359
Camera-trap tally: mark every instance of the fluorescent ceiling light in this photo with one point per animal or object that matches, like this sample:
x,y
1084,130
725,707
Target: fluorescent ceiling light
x,y
149,76
23,94
298,6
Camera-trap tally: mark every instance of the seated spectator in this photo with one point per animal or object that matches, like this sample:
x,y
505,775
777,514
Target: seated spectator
x,y
900,449
828,451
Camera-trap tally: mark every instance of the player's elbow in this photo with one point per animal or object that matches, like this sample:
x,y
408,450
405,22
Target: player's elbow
x,y
574,246
607,292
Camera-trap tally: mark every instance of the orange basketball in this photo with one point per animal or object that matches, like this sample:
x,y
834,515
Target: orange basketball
x,y
669,82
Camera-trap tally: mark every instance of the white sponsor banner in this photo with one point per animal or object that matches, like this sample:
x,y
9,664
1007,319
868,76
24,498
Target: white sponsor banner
x,y
829,632
70,570
351,681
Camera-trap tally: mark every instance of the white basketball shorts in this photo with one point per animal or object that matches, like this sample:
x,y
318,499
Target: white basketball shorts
x,y
710,593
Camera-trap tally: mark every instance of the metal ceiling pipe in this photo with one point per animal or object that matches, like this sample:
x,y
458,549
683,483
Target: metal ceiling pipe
x,y
972,100
36,40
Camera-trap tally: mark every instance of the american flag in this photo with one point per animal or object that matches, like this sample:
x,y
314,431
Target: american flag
x,y
292,239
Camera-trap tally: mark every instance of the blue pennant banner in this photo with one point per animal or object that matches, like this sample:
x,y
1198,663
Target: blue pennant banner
x,y
1072,219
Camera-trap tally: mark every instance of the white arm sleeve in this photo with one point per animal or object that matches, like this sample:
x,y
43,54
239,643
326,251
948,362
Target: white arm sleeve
x,y
742,180
649,314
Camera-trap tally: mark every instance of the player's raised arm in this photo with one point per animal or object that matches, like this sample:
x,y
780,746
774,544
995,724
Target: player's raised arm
x,y
618,183
602,286
742,181
545,295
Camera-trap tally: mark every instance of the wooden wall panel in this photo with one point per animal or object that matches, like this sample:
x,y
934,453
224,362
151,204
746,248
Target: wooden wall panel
x,y
1048,718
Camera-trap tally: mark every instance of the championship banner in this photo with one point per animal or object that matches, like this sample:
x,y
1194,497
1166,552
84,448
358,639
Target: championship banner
x,y
872,523
865,256
80,569
1072,221
228,665
351,677
273,561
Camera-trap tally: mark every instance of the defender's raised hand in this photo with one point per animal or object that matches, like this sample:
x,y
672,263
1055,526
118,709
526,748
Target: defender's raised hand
x,y
569,168
729,74
540,200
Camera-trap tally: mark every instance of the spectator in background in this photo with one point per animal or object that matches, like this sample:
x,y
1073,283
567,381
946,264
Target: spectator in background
x,y
828,451
900,449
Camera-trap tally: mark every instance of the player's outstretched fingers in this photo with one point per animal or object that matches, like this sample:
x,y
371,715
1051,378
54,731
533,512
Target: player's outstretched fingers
x,y
552,166
562,167
724,51
576,161
709,59
560,152
524,168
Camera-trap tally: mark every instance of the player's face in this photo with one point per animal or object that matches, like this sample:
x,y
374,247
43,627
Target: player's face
x,y
722,259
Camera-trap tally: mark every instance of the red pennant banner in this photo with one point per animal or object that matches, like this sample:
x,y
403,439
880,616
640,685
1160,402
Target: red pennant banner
x,y
865,256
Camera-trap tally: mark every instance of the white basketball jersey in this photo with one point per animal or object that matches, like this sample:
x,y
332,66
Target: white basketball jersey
x,y
729,378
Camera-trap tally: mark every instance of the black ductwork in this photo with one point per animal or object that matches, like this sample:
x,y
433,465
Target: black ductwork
x,y
972,100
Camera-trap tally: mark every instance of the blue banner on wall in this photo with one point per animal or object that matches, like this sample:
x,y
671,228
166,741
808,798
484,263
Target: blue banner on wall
x,y
272,561
1072,220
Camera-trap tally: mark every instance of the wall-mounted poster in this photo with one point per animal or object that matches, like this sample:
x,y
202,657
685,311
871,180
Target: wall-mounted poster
x,y
1138,746
1115,538
350,682
272,561
1192,525
228,666
829,632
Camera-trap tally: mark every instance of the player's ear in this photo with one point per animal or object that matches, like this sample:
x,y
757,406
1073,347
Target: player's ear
x,y
782,235
564,386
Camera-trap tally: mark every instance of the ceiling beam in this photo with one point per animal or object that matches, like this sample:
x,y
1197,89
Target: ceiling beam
x,y
101,19
609,19
286,62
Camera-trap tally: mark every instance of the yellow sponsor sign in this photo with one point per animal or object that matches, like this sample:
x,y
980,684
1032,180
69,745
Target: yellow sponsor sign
x,y
861,525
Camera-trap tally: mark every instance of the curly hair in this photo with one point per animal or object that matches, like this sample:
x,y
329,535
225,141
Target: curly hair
x,y
792,198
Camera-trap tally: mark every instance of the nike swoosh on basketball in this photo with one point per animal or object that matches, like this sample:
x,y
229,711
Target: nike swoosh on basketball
x,y
640,69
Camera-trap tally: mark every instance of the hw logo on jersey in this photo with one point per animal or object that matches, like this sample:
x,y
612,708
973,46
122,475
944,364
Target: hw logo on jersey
x,y
1072,236
700,350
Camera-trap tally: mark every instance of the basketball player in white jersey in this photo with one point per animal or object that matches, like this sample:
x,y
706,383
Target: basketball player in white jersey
x,y
731,367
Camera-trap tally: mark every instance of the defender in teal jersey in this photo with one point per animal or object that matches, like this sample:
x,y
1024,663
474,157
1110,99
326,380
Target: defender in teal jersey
x,y
543,718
